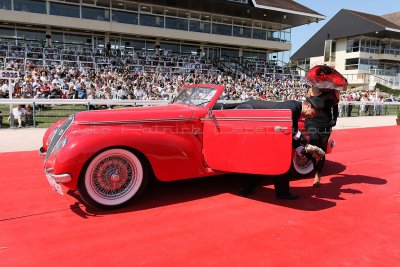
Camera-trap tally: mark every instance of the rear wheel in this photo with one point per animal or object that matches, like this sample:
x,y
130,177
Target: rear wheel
x,y
113,178
301,165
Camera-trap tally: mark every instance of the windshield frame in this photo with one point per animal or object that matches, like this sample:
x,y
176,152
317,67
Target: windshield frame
x,y
191,95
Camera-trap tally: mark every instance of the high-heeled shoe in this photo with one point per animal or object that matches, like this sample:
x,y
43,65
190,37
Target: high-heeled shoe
x,y
317,180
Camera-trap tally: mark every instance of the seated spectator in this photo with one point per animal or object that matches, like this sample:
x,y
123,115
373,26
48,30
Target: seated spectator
x,y
39,95
80,93
18,114
28,115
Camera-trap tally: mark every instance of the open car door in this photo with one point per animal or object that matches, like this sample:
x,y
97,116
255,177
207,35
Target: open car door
x,y
255,141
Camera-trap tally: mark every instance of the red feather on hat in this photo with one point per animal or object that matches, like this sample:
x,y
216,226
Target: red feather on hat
x,y
325,77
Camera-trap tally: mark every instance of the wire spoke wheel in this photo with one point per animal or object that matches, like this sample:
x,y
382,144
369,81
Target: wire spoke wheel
x,y
112,178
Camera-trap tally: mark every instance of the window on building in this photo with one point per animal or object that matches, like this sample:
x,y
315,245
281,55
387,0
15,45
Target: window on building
x,y
145,8
367,64
273,35
57,37
75,38
177,24
125,17
5,4
151,20
353,45
89,2
189,49
328,50
200,26
254,54
229,52
285,35
31,34
30,6
7,32
95,13
221,29
351,64
138,44
150,44
240,1
103,3
395,48
170,47
157,10
59,9
131,6
118,4
205,17
241,32
217,19
259,34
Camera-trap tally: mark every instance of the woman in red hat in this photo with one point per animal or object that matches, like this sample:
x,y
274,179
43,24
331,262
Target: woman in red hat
x,y
326,83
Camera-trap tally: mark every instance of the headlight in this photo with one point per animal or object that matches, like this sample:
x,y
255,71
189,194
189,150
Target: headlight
x,y
60,144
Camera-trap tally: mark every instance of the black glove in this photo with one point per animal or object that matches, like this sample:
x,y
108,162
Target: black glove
x,y
332,123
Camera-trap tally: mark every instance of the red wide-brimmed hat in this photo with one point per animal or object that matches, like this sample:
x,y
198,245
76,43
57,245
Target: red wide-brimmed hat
x,y
325,77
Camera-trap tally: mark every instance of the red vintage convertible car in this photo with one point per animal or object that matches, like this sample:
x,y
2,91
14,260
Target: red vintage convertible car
x,y
109,155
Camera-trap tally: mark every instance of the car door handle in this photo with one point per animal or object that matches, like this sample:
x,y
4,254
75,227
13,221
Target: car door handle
x,y
280,128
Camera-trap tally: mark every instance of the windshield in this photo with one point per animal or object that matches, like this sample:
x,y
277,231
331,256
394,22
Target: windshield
x,y
198,96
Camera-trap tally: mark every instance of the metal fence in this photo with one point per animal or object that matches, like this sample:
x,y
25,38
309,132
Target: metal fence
x,y
44,112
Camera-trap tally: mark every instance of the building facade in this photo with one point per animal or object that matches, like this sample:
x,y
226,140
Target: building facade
x,y
236,28
365,48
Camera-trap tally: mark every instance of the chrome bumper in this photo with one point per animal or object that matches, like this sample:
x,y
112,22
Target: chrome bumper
x,y
58,178
42,153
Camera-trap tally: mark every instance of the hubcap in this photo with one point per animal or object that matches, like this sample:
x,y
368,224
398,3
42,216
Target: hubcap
x,y
114,176
303,162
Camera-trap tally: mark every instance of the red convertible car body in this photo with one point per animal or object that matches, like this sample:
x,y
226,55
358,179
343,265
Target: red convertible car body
x,y
109,155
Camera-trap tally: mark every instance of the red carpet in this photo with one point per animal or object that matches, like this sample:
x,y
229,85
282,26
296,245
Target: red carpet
x,y
351,220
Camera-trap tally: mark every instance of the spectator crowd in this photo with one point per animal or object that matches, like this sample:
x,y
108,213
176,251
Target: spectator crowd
x,y
74,83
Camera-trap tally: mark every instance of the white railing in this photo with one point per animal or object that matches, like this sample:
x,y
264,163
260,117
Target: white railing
x,y
120,102
116,102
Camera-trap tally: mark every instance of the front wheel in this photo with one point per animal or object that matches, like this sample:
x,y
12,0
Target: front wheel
x,y
113,178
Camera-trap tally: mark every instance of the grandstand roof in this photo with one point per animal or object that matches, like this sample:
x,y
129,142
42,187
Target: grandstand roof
x,y
379,20
347,23
287,12
290,6
393,17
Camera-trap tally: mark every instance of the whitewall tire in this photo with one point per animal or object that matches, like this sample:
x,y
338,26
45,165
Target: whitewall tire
x,y
113,178
301,165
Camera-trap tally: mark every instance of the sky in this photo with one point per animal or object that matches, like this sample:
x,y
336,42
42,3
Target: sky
x,y
329,8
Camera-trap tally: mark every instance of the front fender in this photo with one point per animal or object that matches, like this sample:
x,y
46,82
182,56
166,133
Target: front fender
x,y
172,155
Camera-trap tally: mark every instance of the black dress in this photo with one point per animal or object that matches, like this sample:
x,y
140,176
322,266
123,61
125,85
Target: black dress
x,y
319,128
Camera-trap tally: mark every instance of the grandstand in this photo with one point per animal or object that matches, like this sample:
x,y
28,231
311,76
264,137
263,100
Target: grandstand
x,y
238,36
25,57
